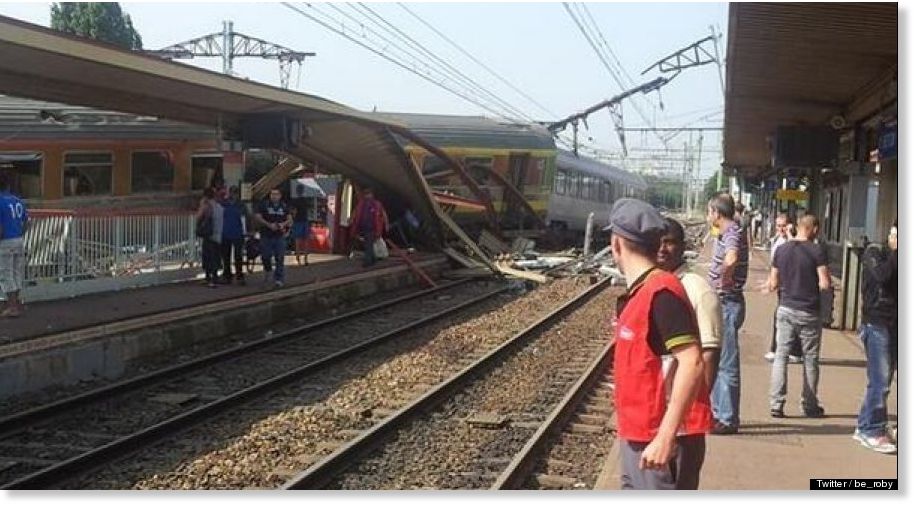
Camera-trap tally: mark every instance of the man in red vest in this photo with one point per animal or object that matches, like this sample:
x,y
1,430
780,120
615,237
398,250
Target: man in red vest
x,y
661,397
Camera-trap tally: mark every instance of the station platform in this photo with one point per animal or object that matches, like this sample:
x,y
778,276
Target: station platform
x,y
67,315
785,453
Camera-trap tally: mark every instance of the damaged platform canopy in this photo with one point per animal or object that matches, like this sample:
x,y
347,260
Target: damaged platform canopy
x,y
44,64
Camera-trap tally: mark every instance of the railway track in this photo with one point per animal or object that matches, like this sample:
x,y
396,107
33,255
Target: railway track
x,y
570,448
469,431
43,446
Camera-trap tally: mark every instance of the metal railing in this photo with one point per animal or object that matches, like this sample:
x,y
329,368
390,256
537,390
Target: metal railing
x,y
83,253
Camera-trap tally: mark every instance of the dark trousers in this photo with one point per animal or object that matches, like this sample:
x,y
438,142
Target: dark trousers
x,y
211,259
228,245
369,258
682,472
273,249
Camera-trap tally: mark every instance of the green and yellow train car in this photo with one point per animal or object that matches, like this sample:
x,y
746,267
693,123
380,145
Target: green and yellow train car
x,y
492,151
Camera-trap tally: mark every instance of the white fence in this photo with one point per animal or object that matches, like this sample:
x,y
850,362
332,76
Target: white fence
x,y
71,254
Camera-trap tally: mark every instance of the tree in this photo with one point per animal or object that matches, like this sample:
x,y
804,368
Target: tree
x,y
102,21
711,187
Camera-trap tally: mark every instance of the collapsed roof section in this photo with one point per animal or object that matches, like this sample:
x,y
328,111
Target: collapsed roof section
x,y
44,64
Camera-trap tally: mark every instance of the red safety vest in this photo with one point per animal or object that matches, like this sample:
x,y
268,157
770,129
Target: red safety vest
x,y
640,392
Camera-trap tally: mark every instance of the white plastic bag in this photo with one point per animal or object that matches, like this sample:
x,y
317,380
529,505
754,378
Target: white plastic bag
x,y
380,249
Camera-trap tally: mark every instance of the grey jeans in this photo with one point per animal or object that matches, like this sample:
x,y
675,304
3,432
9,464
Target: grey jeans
x,y
681,473
808,327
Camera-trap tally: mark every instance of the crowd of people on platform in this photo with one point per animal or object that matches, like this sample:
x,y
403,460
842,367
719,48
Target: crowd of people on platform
x,y
228,231
677,349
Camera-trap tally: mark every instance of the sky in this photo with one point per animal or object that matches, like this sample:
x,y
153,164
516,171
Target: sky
x,y
536,47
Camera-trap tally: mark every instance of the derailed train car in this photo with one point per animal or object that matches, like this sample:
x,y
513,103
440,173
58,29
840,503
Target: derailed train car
x,y
560,187
493,152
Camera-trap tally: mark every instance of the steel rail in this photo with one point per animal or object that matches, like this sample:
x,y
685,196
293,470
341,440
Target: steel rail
x,y
131,443
523,463
323,472
18,421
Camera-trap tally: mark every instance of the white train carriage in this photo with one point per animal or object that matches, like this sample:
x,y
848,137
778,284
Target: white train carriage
x,y
583,186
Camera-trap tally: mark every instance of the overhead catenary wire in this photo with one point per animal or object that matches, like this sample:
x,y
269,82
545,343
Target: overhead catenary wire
x,y
476,60
604,59
430,64
404,65
389,27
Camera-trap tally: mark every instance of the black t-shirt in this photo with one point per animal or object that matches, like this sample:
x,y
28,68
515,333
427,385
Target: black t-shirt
x,y
272,213
798,281
671,324
301,209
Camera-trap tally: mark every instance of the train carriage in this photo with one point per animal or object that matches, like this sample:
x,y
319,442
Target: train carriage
x,y
583,186
492,151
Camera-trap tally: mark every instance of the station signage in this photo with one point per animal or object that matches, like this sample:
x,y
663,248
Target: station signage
x,y
792,195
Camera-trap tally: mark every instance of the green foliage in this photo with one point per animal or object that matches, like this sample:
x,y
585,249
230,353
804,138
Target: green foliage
x,y
710,187
102,21
663,192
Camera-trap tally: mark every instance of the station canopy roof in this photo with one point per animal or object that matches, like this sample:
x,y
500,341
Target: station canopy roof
x,y
799,64
44,64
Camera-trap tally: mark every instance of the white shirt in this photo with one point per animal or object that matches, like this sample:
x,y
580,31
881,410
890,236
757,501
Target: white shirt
x,y
706,305
777,242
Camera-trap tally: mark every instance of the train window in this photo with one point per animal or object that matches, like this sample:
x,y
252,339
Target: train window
x,y
478,168
87,174
535,170
573,184
203,169
151,171
561,180
23,171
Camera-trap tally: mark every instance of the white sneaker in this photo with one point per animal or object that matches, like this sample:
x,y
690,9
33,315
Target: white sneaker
x,y
769,356
880,444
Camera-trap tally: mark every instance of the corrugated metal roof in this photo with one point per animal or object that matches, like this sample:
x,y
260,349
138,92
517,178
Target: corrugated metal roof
x,y
567,159
474,131
22,118
799,63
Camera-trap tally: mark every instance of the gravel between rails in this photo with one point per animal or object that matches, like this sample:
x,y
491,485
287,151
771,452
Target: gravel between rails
x,y
445,450
263,444
578,454
95,424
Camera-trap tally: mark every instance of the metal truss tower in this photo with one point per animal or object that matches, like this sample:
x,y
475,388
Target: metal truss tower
x,y
230,44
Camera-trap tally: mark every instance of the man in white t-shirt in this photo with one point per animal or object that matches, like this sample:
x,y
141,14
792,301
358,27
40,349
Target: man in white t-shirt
x,y
702,297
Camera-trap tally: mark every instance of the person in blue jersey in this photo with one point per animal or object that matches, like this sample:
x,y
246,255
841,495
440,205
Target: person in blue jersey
x,y
14,219
275,219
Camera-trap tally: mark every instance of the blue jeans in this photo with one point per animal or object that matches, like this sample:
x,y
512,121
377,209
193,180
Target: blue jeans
x,y
880,366
274,248
725,395
808,326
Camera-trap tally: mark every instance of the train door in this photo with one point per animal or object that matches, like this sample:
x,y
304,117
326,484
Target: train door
x,y
517,174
